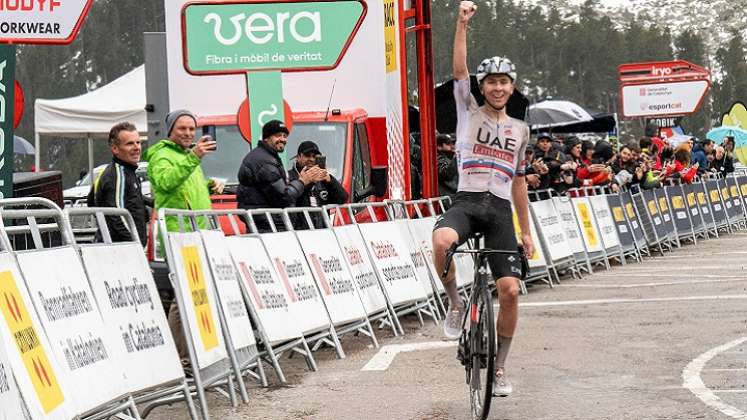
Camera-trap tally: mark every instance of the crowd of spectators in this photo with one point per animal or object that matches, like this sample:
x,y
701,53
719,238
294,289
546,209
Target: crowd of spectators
x,y
566,163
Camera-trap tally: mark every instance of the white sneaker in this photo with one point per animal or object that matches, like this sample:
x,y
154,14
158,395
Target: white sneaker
x,y
453,323
501,386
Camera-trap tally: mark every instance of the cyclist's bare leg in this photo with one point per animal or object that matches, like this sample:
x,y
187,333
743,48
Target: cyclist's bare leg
x,y
508,316
443,238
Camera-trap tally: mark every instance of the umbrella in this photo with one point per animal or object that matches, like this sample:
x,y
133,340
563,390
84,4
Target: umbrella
x,y
446,107
740,139
22,146
548,114
601,123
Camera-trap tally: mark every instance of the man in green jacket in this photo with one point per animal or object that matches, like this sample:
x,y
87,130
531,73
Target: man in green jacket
x,y
176,178
177,182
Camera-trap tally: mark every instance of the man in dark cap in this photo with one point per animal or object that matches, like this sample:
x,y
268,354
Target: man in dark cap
x,y
327,191
263,182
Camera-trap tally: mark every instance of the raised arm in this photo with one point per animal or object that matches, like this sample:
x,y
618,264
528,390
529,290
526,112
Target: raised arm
x,y
466,11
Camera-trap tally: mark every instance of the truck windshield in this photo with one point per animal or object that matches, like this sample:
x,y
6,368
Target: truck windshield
x,y
224,163
330,137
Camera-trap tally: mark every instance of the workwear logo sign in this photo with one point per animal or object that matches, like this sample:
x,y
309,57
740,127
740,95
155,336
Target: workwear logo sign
x,y
41,21
239,37
200,300
28,344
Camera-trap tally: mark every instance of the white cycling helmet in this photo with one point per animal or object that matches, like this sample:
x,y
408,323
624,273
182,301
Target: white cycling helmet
x,y
496,65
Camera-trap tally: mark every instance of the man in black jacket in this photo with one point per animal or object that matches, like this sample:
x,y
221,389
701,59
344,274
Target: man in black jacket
x,y
119,186
327,191
448,172
263,182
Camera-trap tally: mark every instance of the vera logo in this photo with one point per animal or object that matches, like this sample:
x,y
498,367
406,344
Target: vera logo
x,y
28,344
239,37
260,28
200,301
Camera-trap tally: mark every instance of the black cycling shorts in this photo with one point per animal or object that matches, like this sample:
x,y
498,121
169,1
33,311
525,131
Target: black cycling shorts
x,y
482,212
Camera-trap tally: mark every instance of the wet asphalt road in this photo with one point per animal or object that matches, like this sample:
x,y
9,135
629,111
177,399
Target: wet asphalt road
x,y
664,339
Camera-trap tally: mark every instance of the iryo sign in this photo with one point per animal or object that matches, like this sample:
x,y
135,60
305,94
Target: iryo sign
x,y
41,21
231,37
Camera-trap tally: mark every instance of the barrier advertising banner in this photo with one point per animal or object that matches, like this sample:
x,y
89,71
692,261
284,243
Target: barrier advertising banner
x,y
639,235
332,276
195,285
538,258
264,288
605,222
586,221
621,222
422,235
123,286
290,264
361,268
550,227
422,271
564,208
10,399
41,380
86,350
392,261
226,280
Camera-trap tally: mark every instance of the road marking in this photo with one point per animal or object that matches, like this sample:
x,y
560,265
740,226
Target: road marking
x,y
698,255
642,300
668,283
691,380
677,275
725,370
386,354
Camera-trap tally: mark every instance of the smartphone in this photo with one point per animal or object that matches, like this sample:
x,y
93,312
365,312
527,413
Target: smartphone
x,y
321,161
209,130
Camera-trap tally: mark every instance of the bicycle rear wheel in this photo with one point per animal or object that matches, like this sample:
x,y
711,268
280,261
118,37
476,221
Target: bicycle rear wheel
x,y
482,354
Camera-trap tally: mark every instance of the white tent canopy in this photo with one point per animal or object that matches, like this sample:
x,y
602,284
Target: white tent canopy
x,y
93,114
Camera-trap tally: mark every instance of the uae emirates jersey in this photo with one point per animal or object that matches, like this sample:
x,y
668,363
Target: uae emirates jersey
x,y
489,154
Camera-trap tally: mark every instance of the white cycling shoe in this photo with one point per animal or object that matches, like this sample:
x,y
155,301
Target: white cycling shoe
x,y
501,385
453,323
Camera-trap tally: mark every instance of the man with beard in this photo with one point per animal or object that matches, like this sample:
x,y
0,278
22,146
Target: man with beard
x,y
263,182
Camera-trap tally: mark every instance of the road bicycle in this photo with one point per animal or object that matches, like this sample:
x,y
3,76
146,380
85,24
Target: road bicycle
x,y
477,344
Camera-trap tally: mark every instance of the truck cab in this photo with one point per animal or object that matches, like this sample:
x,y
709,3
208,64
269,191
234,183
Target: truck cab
x,y
345,137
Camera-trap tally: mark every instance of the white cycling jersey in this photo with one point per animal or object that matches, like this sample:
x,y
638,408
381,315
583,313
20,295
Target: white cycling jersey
x,y
489,154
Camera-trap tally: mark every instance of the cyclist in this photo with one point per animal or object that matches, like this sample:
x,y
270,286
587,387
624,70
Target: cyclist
x,y
490,149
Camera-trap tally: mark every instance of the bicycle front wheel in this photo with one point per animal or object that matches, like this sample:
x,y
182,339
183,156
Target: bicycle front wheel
x,y
483,348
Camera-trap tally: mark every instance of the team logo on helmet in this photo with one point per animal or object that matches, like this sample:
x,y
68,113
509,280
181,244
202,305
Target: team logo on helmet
x,y
496,65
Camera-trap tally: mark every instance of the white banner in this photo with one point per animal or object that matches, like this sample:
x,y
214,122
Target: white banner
x,y
422,271
43,383
658,99
392,261
85,348
290,263
605,222
123,285
586,220
570,225
537,260
198,294
359,263
332,275
10,398
551,229
422,235
226,279
465,267
264,288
